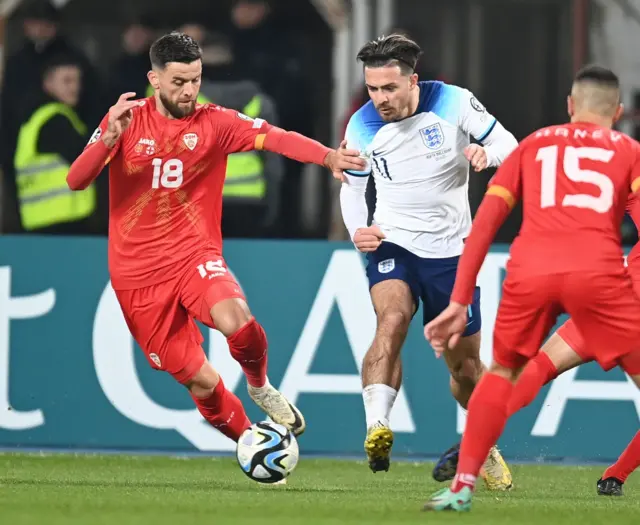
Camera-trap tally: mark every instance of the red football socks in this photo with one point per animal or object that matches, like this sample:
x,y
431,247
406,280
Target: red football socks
x,y
248,346
538,372
627,462
486,419
223,410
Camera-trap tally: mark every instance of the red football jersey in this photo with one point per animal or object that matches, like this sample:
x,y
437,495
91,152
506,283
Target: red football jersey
x,y
575,181
166,178
633,259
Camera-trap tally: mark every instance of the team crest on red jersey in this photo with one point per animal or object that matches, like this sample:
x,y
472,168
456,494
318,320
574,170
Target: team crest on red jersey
x,y
190,140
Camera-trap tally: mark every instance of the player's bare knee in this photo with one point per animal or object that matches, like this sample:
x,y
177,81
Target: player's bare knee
x,y
204,382
464,361
466,371
230,315
392,322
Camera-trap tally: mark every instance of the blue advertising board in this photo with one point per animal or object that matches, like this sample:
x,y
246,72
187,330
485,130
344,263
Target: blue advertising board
x,y
71,376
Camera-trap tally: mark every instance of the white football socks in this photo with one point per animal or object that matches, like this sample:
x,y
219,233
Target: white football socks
x,y
378,402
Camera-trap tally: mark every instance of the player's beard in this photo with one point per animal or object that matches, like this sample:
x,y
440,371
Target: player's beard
x,y
387,113
175,110
394,110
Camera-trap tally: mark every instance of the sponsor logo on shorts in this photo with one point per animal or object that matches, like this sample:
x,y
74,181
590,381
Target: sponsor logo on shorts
x,y
155,359
212,269
386,266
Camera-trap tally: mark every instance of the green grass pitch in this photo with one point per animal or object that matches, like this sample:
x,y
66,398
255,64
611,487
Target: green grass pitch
x,y
123,490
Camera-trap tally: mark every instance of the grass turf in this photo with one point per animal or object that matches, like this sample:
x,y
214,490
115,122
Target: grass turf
x,y
123,490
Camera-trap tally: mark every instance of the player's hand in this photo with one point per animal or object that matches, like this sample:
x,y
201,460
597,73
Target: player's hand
x,y
120,116
344,159
445,331
477,156
368,239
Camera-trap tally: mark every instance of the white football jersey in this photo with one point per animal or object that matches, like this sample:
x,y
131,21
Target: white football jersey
x,y
420,172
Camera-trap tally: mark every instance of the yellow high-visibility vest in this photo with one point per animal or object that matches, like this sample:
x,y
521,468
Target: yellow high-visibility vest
x,y
41,178
245,170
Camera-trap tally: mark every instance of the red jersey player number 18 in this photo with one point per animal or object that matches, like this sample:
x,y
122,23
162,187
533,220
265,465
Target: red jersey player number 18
x,y
167,160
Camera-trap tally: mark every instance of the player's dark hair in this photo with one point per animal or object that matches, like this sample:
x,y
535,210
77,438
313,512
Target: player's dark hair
x,y
598,75
394,49
174,47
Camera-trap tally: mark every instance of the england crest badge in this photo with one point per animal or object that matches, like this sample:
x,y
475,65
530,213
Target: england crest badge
x,y
432,136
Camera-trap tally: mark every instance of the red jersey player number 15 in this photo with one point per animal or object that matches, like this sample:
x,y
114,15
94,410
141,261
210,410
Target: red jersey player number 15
x,y
574,181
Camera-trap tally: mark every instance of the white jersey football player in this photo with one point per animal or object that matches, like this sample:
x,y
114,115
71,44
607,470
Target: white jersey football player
x,y
415,137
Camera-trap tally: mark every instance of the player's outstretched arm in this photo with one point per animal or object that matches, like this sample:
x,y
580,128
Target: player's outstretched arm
x,y
303,149
500,198
493,211
101,146
445,330
504,190
236,132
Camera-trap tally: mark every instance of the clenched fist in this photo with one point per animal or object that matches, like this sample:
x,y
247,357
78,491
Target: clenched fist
x,y
368,239
477,156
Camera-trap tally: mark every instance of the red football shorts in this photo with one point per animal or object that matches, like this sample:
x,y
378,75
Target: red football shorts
x,y
603,307
569,332
161,317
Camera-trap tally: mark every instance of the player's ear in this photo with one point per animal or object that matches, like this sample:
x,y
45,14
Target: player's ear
x,y
153,79
413,80
619,113
571,109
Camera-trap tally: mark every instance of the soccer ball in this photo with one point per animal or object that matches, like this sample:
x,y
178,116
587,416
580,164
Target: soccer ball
x,y
267,452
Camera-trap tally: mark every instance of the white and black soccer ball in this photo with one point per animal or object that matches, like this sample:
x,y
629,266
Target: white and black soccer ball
x,y
267,452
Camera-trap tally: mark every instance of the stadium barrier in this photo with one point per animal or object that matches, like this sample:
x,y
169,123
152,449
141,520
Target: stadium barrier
x,y
71,377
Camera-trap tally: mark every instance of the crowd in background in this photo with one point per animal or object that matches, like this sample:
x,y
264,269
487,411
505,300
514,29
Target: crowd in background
x,y
53,98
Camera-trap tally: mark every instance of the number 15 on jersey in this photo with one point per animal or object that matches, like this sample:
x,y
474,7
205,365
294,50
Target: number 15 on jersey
x,y
548,156
167,175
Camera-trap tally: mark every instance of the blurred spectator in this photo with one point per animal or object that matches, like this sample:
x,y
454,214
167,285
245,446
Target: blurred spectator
x,y
42,42
252,188
273,56
129,73
51,136
218,57
196,31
